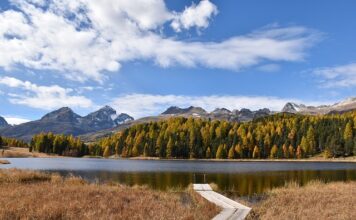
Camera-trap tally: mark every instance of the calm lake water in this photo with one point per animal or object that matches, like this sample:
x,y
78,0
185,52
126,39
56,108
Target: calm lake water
x,y
240,178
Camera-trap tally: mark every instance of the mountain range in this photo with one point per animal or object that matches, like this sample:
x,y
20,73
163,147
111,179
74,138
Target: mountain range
x,y
105,121
65,121
340,107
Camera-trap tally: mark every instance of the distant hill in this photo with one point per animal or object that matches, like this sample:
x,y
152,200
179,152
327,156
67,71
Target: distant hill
x,y
65,121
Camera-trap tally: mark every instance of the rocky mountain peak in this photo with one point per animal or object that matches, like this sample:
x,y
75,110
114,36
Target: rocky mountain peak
x,y
64,114
106,117
221,111
174,110
3,122
290,107
122,118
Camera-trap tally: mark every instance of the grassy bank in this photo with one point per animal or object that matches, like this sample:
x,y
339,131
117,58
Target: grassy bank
x,y
18,152
35,195
4,162
316,200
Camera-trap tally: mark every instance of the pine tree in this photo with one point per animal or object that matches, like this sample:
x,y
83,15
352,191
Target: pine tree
x,y
348,138
170,147
231,154
238,150
221,152
274,151
106,153
208,153
299,153
311,141
285,151
304,144
291,151
256,152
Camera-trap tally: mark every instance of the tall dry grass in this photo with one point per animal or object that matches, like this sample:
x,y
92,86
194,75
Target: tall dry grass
x,y
35,195
4,162
316,200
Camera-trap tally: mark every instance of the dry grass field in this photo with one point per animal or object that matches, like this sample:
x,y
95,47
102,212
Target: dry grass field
x,y
35,195
314,201
18,152
4,162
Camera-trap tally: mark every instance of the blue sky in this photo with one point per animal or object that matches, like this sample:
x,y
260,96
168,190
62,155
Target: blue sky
x,y
141,57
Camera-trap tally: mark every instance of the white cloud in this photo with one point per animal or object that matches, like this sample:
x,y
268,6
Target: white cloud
x,y
338,76
86,39
139,105
43,97
195,16
269,68
14,120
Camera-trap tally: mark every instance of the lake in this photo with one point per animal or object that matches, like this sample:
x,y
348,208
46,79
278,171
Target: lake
x,y
240,178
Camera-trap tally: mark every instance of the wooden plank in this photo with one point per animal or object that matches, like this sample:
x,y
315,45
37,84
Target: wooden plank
x,y
232,210
202,187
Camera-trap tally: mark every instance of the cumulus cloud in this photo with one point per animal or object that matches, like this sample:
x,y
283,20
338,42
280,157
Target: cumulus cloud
x,y
86,39
139,105
43,97
195,16
338,76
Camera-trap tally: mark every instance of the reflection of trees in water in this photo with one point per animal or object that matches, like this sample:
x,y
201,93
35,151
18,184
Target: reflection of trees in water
x,y
237,183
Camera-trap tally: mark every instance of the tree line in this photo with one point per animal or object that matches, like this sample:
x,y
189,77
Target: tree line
x,y
58,144
278,136
12,142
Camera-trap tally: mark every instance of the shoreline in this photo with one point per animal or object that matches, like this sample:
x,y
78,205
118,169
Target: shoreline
x,y
14,152
353,160
4,162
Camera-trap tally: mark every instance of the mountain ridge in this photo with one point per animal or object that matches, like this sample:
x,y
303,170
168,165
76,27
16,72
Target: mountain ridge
x,y
65,121
105,120
339,107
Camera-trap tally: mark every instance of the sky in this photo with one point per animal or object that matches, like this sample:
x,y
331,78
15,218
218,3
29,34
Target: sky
x,y
141,56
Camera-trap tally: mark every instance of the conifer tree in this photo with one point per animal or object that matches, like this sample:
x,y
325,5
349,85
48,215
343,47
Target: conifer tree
x,y
291,151
238,150
106,153
231,154
348,138
274,152
299,152
221,152
170,148
285,151
256,152
208,153
311,141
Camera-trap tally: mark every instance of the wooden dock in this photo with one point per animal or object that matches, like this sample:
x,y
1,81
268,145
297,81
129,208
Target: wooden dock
x,y
232,210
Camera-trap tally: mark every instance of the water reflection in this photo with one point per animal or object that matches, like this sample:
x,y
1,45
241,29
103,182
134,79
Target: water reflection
x,y
242,184
242,178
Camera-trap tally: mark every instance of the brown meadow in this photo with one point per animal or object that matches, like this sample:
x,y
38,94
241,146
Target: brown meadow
x,y
36,195
316,200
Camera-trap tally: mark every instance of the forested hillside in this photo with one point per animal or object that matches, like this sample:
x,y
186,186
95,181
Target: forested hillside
x,y
278,136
